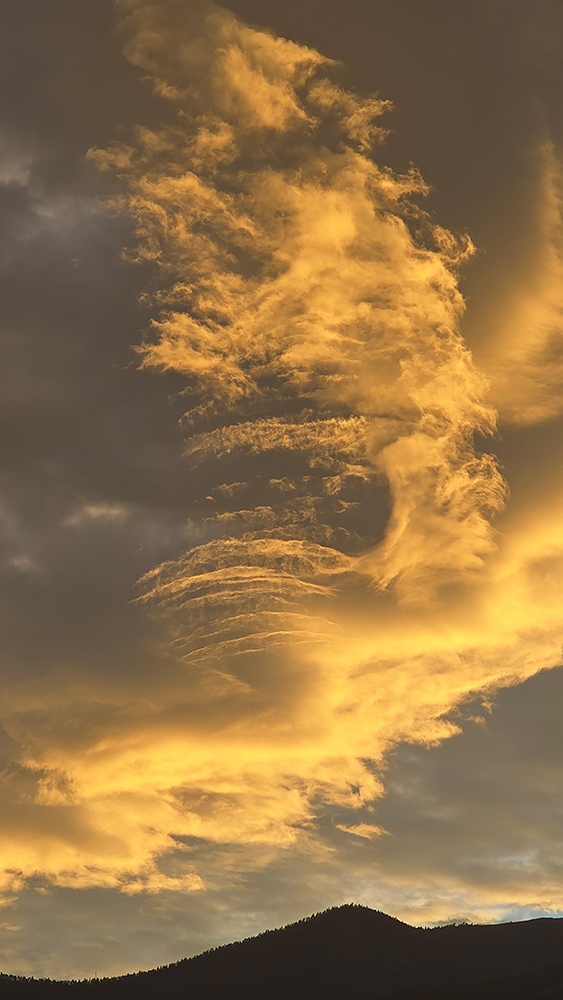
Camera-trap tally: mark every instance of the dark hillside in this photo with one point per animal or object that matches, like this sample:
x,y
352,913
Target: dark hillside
x,y
349,952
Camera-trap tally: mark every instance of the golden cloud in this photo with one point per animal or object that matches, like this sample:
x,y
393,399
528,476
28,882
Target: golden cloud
x,y
525,354
361,592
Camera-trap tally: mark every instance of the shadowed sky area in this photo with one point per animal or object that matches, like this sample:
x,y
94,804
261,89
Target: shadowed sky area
x,y
280,543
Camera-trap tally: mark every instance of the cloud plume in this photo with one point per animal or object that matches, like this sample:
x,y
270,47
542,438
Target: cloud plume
x,y
304,313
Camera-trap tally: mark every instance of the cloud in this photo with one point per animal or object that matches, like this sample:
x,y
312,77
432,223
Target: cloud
x,y
346,587
474,824
15,163
302,289
524,356
96,512
249,75
368,831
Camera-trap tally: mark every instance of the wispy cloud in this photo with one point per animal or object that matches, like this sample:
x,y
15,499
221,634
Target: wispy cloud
x,y
348,587
525,356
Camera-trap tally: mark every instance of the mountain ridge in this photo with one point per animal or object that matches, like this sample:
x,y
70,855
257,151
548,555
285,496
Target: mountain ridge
x,y
347,951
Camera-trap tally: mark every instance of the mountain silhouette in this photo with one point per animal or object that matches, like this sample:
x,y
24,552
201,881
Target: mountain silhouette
x,y
346,953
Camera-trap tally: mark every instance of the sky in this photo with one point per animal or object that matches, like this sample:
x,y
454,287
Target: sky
x,y
281,551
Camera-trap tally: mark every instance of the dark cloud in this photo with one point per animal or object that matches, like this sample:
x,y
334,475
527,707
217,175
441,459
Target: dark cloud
x,y
481,815
79,425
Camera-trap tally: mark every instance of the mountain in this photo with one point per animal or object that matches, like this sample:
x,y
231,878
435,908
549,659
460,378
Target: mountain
x,y
346,953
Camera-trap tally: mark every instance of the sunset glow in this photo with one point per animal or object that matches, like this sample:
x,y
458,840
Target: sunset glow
x,y
369,551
